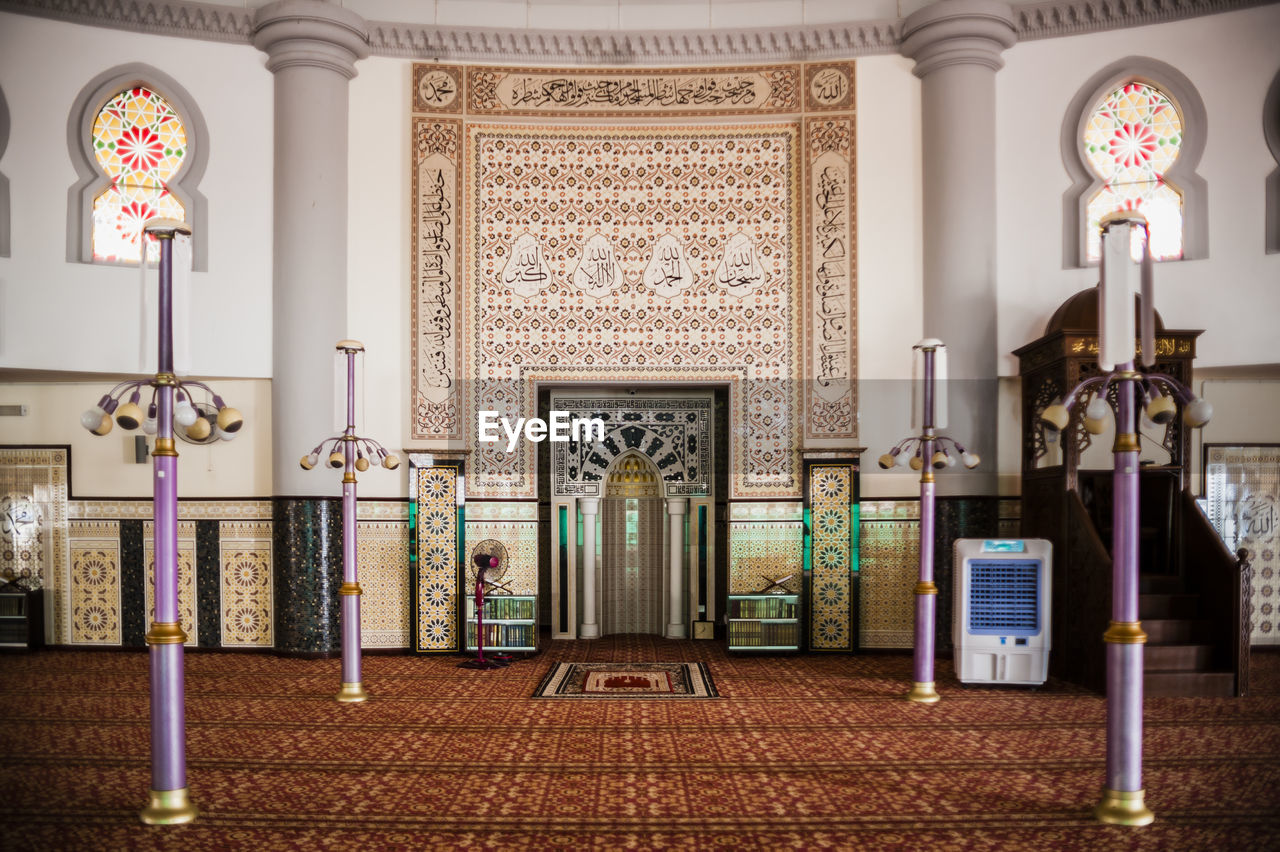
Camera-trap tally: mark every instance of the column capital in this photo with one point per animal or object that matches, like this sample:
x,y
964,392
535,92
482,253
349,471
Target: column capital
x,y
589,505
677,505
958,32
311,33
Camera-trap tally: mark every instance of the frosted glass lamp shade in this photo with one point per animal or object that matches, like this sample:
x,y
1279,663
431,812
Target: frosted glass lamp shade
x,y
970,460
184,413
104,425
308,462
1198,412
1095,416
92,418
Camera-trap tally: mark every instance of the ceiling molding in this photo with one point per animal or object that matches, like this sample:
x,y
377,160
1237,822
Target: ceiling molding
x,y
1073,17
214,22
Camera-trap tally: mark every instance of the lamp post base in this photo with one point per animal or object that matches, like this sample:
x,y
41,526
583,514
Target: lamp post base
x,y
169,807
1123,808
923,693
352,693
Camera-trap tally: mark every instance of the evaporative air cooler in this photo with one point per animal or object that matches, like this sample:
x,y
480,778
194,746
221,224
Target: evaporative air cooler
x,y
1000,626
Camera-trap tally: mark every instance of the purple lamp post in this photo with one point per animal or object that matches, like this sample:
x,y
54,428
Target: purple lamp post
x,y
354,455
170,801
1123,797
926,452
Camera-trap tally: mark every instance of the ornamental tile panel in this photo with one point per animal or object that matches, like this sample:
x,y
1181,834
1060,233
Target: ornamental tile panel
x,y
248,604
830,493
93,615
186,577
889,565
382,552
760,552
435,559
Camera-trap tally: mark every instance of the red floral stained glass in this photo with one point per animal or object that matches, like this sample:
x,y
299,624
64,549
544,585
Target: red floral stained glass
x,y
1132,138
140,143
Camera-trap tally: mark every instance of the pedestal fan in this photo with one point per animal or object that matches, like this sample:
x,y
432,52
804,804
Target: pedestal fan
x,y
489,562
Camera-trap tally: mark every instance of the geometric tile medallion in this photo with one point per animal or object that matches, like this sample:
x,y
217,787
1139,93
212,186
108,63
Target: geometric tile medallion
x,y
247,602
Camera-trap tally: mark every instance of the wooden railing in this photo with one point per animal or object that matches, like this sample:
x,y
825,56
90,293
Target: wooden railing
x,y
1223,582
1089,613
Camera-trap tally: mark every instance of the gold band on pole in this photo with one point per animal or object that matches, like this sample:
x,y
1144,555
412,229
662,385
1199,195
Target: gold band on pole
x,y
350,589
166,633
164,447
926,587
1125,633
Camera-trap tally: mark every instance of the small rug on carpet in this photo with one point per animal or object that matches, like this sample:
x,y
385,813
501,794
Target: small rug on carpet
x,y
627,680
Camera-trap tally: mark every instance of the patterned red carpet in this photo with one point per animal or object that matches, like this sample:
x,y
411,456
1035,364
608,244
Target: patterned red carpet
x,y
800,752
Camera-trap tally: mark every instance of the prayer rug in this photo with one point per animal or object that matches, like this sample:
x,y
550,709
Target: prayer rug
x,y
627,680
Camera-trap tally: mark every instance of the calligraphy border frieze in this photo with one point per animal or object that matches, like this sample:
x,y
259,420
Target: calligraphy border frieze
x,y
634,92
829,86
437,88
437,279
831,276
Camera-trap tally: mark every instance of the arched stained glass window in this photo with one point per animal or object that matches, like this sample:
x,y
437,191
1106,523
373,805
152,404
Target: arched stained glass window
x,y
139,142
1131,140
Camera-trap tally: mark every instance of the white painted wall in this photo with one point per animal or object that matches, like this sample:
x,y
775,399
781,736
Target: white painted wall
x,y
56,315
379,298
104,466
1234,294
890,270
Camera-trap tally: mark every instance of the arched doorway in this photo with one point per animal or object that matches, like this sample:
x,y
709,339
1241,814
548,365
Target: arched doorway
x,y
632,581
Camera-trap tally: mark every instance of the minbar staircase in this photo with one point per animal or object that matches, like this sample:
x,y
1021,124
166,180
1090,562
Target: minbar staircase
x,y
1179,656
1193,592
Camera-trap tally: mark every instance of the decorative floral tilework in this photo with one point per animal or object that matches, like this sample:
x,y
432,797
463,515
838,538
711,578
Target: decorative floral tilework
x,y
830,493
765,550
889,565
435,560
246,567
94,613
382,551
186,577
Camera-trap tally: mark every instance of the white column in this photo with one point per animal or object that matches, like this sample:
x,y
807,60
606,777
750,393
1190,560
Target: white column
x,y
312,48
957,47
676,615
590,507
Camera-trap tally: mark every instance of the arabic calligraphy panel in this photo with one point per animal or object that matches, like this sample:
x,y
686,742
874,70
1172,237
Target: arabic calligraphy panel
x,y
437,279
831,264
634,92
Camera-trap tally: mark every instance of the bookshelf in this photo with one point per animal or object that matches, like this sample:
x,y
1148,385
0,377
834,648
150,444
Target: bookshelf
x,y
21,617
510,623
764,622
